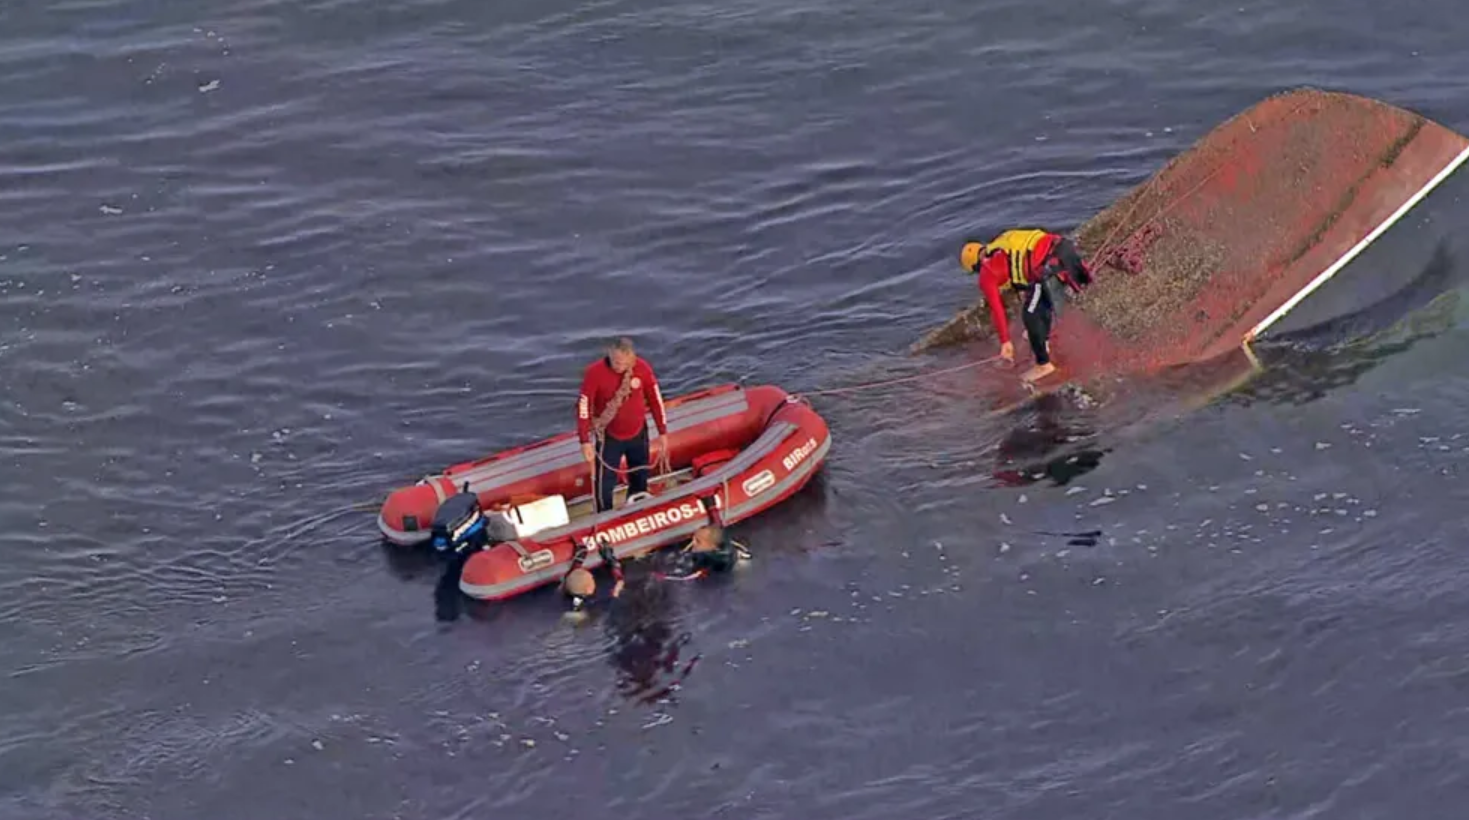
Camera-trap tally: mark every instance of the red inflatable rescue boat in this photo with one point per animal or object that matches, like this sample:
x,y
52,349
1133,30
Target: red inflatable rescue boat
x,y
740,449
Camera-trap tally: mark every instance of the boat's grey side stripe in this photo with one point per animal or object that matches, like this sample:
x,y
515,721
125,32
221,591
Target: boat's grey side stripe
x,y
568,453
748,507
592,561
398,535
773,436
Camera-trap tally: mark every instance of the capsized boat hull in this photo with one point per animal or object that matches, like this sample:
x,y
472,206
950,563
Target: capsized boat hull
x,y
1192,260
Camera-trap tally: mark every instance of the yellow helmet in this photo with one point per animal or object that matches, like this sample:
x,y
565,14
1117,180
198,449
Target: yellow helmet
x,y
970,254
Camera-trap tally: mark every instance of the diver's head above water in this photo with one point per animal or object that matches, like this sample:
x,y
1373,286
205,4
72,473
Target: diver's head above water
x,y
707,538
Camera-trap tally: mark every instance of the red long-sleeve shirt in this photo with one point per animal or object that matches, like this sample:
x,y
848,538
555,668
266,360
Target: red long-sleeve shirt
x,y
599,385
994,274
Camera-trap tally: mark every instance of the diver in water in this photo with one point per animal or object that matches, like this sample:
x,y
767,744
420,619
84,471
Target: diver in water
x,y
648,649
710,551
580,587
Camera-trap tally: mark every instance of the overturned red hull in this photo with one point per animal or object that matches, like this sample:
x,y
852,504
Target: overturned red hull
x,y
1191,262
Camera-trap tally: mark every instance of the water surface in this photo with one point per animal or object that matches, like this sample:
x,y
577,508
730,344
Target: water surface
x,y
261,262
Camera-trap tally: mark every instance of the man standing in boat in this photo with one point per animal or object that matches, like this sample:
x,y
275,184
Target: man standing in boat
x,y
1033,263
617,393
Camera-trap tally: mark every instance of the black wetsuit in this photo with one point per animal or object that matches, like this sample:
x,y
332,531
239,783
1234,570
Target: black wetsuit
x,y
1042,301
690,564
577,559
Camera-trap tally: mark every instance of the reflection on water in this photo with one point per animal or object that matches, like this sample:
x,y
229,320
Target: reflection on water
x,y
647,644
417,563
447,596
1050,444
1309,364
1291,370
1059,438
407,563
645,638
1372,297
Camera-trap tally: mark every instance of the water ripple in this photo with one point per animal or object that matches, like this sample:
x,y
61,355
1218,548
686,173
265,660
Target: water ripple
x,y
261,263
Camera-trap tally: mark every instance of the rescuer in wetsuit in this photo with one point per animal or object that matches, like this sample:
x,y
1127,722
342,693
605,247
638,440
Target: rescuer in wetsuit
x,y
578,584
711,550
646,650
1033,263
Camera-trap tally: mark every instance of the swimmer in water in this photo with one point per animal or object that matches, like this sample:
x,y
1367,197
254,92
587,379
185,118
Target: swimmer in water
x,y
578,584
710,551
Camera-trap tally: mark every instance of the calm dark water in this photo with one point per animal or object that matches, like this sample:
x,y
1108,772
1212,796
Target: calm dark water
x,y
261,262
